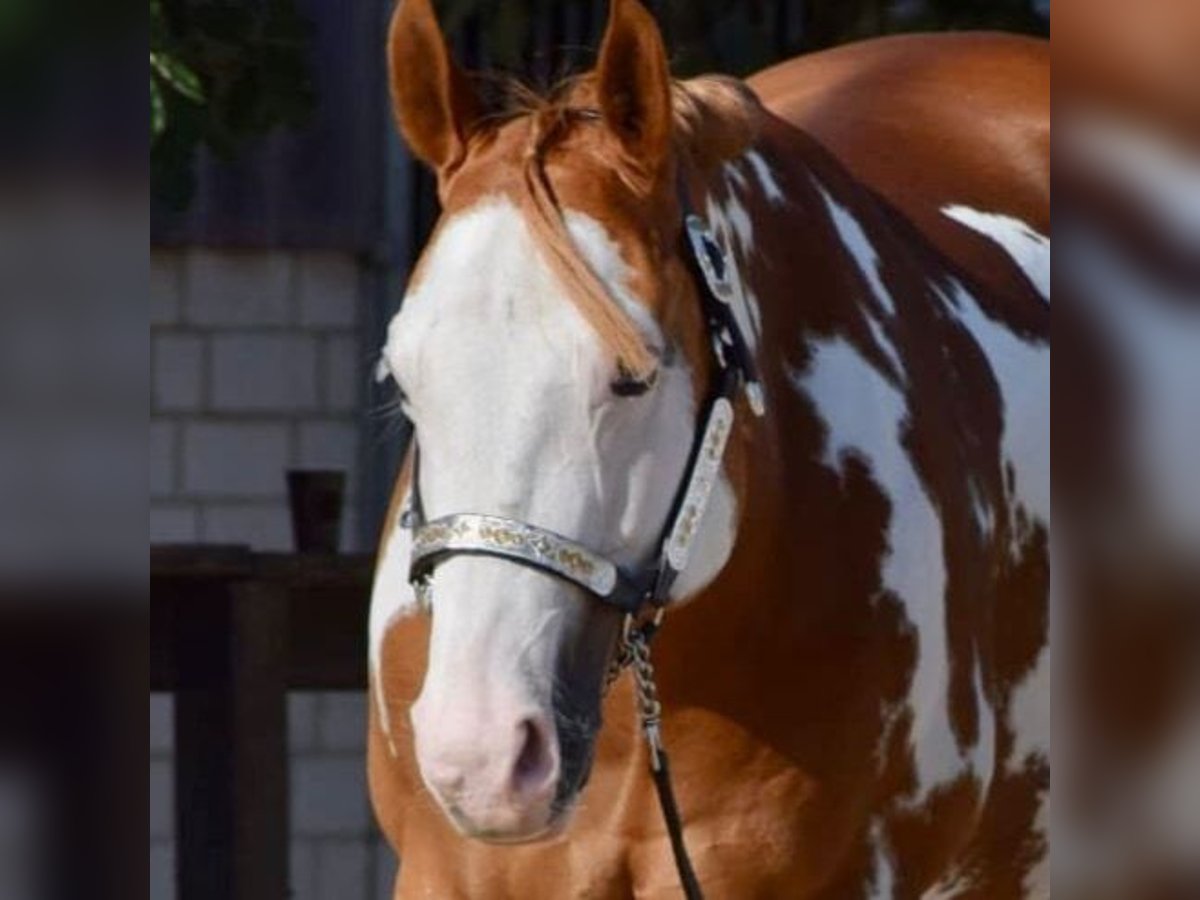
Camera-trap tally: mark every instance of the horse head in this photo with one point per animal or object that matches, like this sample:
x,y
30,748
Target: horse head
x,y
553,357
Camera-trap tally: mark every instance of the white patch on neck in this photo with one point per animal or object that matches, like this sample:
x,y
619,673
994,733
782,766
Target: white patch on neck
x,y
767,181
883,883
859,246
1029,714
1029,719
865,415
856,242
734,230
1022,372
954,886
1028,249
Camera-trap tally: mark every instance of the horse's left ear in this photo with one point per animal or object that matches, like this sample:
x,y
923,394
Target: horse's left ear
x,y
634,83
435,106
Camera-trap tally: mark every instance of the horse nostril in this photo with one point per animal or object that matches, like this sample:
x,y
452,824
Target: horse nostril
x,y
535,762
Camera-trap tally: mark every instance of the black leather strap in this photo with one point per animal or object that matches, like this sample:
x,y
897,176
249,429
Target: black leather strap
x,y
670,811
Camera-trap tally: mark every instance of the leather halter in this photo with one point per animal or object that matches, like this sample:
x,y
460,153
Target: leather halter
x,y
540,548
634,593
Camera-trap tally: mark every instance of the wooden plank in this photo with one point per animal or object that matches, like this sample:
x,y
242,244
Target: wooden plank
x,y
328,639
194,561
260,634
328,599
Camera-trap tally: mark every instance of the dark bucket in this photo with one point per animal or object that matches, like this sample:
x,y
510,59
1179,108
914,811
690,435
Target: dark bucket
x,y
315,498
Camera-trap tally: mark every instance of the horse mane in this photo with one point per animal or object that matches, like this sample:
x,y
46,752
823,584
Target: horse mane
x,y
716,119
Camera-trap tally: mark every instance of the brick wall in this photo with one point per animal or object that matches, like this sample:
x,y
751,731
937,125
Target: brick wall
x,y
258,365
337,852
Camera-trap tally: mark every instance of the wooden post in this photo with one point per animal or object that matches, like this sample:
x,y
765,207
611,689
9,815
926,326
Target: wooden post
x,y
231,781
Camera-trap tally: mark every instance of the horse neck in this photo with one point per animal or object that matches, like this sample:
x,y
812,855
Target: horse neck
x,y
759,206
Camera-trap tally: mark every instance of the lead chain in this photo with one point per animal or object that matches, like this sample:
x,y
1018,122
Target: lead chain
x,y
649,706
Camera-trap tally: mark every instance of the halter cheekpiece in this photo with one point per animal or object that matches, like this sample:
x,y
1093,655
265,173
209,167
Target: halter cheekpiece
x,y
642,594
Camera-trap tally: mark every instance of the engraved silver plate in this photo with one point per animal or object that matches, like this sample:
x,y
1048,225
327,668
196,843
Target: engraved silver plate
x,y
507,538
700,485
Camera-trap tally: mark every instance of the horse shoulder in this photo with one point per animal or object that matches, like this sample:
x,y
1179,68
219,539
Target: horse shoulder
x,y
972,114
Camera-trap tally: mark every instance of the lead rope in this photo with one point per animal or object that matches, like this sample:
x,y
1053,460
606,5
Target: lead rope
x,y
635,653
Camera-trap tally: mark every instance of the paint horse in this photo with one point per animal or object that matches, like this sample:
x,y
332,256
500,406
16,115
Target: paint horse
x,y
852,665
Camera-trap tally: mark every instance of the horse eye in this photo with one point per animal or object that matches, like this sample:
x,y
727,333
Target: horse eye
x,y
625,385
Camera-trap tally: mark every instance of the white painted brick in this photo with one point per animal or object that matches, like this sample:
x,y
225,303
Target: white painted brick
x,y
166,286
343,721
231,288
327,285
342,870
162,458
329,796
177,377
385,870
331,445
261,526
235,458
302,870
264,372
162,723
173,523
162,870
302,720
162,799
346,373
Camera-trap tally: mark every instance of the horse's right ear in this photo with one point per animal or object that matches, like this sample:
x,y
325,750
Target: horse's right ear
x,y
435,106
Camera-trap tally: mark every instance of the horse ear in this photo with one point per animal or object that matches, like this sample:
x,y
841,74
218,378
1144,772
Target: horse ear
x,y
435,106
634,83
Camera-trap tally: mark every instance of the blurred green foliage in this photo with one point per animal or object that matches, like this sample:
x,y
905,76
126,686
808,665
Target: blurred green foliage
x,y
225,71
221,73
740,36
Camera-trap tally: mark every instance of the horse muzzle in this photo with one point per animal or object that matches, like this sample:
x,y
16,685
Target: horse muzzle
x,y
496,772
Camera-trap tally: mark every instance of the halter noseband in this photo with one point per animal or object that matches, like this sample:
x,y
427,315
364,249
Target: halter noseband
x,y
647,589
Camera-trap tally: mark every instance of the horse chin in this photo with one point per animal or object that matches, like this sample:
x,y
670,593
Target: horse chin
x,y
554,826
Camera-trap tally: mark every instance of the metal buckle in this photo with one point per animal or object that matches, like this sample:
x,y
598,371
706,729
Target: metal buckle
x,y
708,255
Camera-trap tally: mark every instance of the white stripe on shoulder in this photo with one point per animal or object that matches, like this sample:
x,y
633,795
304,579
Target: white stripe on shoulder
x,y
1029,249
